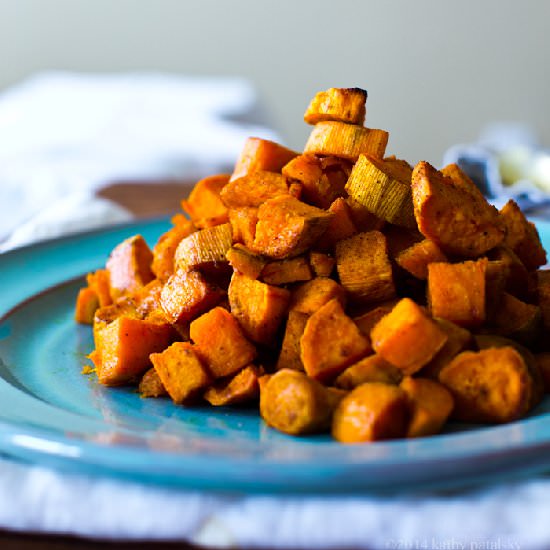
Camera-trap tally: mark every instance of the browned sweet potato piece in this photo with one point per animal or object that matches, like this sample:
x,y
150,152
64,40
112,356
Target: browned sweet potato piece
x,y
87,302
346,140
363,219
371,412
324,357
364,268
288,227
321,263
431,404
492,385
165,249
204,248
204,205
417,257
129,266
522,236
340,104
99,282
244,261
543,363
293,403
457,292
241,388
369,369
384,188
314,294
462,180
407,338
221,342
289,357
366,321
187,294
123,348
151,385
147,298
254,189
517,280
452,217
243,225
261,154
518,320
282,272
260,308
341,225
458,339
181,372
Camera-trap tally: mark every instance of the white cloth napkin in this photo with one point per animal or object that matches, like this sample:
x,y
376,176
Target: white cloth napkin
x,y
61,137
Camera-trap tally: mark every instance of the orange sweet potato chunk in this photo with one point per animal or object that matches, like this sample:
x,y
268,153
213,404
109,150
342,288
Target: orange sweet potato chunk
x,y
457,292
341,226
258,307
204,205
372,368
87,302
456,220
261,154
245,261
289,357
288,227
99,282
123,348
221,342
129,266
243,225
406,337
417,257
340,104
371,412
151,385
241,388
324,357
364,267
321,263
187,294
254,189
181,372
312,295
281,272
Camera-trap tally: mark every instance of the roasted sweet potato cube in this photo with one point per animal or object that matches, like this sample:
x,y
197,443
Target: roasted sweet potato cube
x,y
518,320
221,342
252,190
341,225
244,261
243,225
321,263
492,385
181,372
458,222
384,188
406,337
364,268
260,308
314,294
346,140
205,248
187,294
151,385
369,369
517,280
165,249
417,257
129,266
340,104
87,303
522,236
373,411
147,298
325,358
288,227
293,403
366,321
362,218
241,388
261,154
281,272
204,205
123,348
457,292
462,180
289,357
431,404
99,281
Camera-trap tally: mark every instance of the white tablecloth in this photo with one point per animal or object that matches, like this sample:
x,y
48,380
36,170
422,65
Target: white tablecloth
x,y
60,138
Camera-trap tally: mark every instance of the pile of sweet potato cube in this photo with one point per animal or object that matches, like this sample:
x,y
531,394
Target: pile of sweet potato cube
x,y
343,289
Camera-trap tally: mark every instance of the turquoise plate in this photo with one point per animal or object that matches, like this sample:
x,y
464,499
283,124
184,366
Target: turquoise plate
x,y
52,414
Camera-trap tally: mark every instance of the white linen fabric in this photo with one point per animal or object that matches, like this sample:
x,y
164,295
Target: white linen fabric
x,y
61,137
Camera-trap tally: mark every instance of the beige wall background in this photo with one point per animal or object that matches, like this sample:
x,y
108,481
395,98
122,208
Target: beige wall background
x,y
436,71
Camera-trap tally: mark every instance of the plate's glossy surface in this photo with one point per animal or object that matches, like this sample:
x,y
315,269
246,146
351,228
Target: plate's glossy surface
x,y
51,413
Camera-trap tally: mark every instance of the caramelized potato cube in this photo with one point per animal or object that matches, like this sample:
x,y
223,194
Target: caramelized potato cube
x,y
340,104
244,261
322,264
87,303
417,257
289,357
310,296
241,388
369,369
204,205
252,190
151,385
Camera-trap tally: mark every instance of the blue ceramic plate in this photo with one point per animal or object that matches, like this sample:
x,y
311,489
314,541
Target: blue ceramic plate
x,y
52,414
